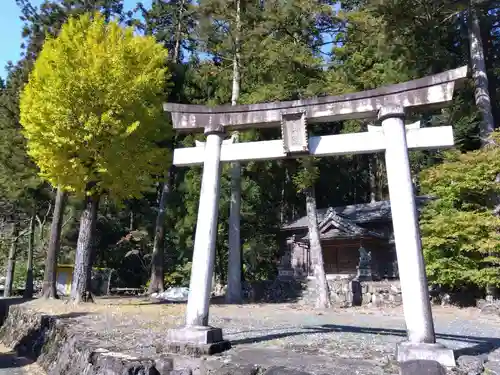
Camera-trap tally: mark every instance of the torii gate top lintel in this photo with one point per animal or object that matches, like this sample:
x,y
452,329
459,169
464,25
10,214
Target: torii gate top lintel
x,y
430,91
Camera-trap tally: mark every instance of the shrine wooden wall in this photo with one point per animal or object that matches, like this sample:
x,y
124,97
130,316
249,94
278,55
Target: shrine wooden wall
x,y
341,257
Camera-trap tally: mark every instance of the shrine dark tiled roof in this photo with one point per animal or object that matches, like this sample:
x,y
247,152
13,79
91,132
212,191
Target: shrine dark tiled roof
x,y
359,213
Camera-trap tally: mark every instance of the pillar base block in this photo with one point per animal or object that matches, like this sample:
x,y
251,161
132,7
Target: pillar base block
x,y
195,341
408,351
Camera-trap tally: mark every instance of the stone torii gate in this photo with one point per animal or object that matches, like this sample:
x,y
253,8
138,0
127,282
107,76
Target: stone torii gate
x,y
387,104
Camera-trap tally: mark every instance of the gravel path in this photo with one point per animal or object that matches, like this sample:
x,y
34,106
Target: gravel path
x,y
280,325
344,339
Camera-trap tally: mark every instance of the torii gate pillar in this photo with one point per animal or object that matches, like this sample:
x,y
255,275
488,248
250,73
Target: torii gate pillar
x,y
421,342
197,333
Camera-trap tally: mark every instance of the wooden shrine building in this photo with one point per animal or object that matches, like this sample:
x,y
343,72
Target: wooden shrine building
x,y
343,230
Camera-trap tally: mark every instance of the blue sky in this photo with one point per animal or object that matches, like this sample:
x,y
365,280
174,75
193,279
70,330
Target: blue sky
x,y
11,26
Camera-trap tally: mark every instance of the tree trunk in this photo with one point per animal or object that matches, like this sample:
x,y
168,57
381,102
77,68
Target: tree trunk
x,y
131,221
480,76
323,300
372,171
489,48
283,197
234,258
481,93
11,262
156,283
355,164
219,267
80,289
28,289
178,34
235,94
380,177
49,289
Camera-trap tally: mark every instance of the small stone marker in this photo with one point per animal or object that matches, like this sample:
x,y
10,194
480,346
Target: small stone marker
x,y
280,370
181,372
115,363
422,367
164,365
410,351
471,365
234,369
492,368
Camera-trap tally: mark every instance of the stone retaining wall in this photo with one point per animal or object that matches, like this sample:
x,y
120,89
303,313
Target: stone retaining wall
x,y
62,347
46,339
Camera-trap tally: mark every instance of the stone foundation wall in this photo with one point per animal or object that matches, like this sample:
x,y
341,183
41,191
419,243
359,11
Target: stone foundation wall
x,y
267,291
343,292
346,293
273,291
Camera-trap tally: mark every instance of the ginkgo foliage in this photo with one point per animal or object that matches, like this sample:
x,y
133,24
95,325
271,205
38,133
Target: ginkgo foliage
x,y
92,110
92,115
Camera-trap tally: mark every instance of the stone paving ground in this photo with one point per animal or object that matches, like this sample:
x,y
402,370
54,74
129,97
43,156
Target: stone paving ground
x,y
338,341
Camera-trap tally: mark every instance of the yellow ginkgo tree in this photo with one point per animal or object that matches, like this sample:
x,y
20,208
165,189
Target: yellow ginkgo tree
x,y
92,115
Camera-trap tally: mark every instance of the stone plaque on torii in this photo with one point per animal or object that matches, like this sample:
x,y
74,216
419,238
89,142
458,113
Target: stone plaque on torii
x,y
388,105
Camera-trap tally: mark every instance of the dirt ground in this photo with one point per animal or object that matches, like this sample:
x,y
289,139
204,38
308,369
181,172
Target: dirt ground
x,y
168,313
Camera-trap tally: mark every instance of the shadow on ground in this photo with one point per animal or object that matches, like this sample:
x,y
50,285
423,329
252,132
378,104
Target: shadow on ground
x,y
11,360
480,345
